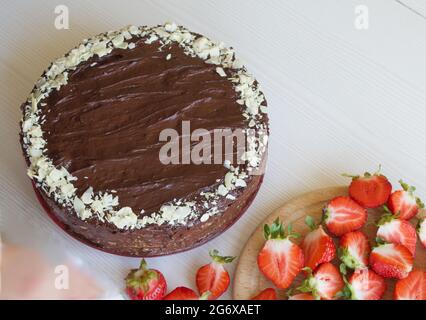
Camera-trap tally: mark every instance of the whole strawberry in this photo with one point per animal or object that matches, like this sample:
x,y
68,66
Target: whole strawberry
x,y
145,284
370,190
404,203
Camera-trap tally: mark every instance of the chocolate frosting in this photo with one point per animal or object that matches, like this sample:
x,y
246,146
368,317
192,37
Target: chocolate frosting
x,y
104,125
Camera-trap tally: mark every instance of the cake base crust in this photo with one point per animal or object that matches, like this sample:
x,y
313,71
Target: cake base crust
x,y
152,241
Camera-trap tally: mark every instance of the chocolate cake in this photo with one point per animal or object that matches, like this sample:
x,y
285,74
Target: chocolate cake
x,y
91,136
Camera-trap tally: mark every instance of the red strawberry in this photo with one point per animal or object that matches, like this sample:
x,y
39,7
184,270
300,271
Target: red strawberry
x,y
397,231
184,293
181,293
413,287
280,260
365,284
318,247
354,250
145,284
302,296
404,203
421,230
343,215
370,190
391,260
267,294
213,277
324,283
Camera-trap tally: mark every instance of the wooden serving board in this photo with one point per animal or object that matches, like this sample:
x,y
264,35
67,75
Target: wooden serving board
x,y
249,280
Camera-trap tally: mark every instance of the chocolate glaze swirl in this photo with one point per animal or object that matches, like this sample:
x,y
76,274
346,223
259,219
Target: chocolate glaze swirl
x,y
104,125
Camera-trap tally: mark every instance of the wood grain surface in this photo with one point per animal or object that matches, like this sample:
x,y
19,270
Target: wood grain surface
x,y
249,281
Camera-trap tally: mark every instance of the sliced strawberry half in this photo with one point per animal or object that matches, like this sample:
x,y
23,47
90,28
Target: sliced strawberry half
x,y
145,284
302,296
318,247
365,284
404,203
343,215
213,278
267,294
391,260
324,283
354,250
280,260
398,231
421,230
370,190
413,287
183,293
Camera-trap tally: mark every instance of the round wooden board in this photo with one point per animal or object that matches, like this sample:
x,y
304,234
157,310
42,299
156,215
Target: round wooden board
x,y
249,281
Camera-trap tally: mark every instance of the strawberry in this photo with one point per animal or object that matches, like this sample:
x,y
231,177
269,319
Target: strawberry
x,y
280,260
354,250
318,247
413,287
343,215
213,277
365,284
302,296
267,294
404,203
394,230
391,260
145,284
324,283
370,190
184,293
421,230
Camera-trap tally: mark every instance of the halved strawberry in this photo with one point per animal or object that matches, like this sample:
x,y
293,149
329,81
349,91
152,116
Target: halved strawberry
x,y
365,284
354,250
318,247
421,230
267,294
182,293
413,287
324,283
302,296
213,277
343,215
391,260
370,190
394,230
280,260
145,284
404,203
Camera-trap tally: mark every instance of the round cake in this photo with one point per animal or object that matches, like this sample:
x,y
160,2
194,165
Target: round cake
x,y
121,140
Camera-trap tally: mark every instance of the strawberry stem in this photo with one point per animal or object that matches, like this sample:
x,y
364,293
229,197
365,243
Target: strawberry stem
x,y
214,254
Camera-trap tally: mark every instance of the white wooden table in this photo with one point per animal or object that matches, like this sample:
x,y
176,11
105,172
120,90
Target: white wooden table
x,y
341,100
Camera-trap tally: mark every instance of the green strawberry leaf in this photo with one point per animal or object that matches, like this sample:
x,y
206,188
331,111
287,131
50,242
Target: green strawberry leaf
x,y
309,221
